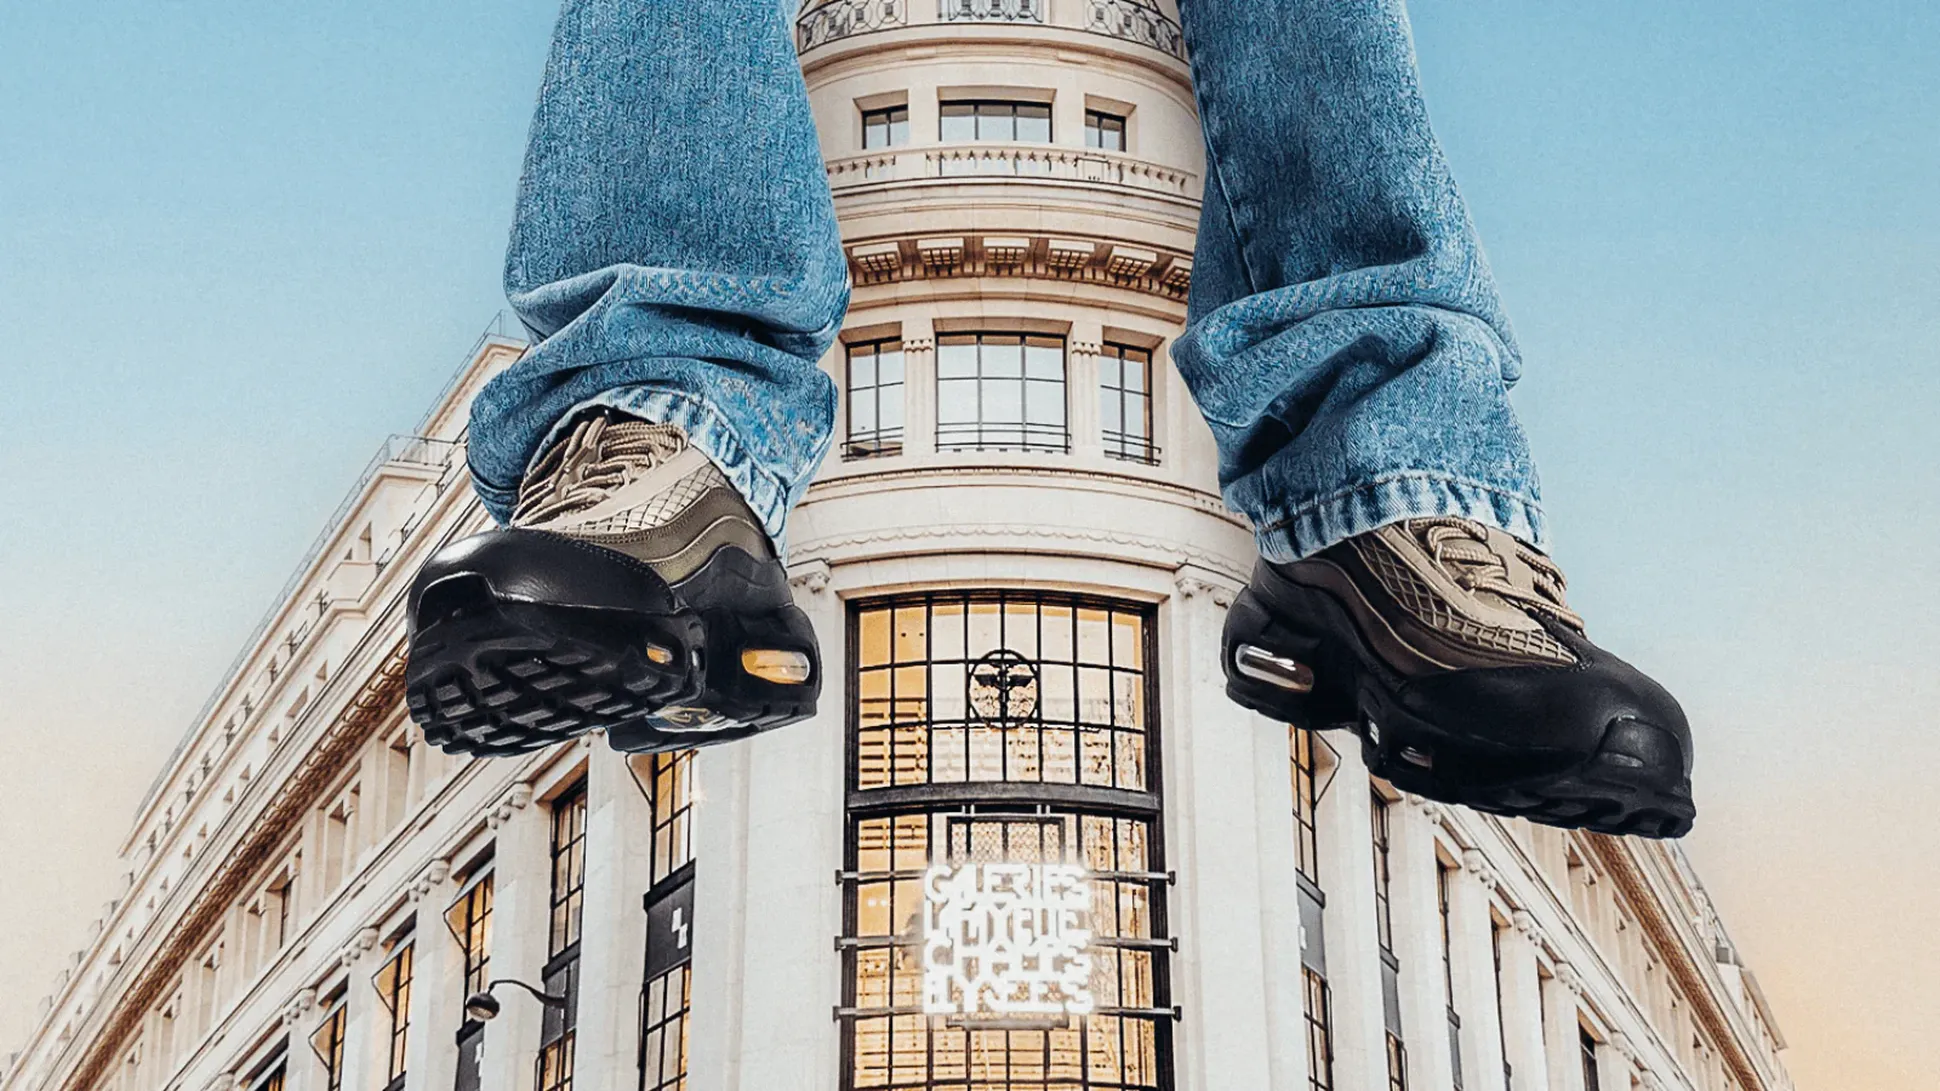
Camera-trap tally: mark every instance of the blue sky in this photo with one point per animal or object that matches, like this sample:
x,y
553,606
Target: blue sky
x,y
240,243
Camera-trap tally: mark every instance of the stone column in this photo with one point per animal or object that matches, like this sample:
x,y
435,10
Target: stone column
x,y
612,944
1081,391
1562,1034
1522,1006
1473,933
769,833
1415,908
919,378
361,1012
521,895
437,975
1229,822
1353,945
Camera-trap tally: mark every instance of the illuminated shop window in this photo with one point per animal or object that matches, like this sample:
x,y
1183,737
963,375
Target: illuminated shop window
x,y
393,984
1002,761
1384,931
558,1025
1304,750
328,1040
666,992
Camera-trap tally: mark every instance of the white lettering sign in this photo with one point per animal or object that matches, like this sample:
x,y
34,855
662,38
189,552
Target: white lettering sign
x,y
1007,940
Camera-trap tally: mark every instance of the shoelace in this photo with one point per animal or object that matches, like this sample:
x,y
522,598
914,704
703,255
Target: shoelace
x,y
1478,558
598,456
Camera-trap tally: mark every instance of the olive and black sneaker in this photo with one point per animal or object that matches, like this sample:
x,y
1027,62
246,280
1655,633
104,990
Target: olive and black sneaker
x,y
634,591
1447,646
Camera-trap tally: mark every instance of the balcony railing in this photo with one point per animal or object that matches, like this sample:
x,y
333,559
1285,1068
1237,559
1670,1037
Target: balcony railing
x,y
1144,22
1011,161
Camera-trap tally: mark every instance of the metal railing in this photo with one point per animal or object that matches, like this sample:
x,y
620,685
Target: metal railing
x,y
1143,22
1012,161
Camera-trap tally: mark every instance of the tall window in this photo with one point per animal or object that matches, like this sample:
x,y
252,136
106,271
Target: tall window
x,y
558,1024
1003,729
885,128
393,984
1104,131
1302,746
1024,122
328,1041
1125,402
1444,878
272,1075
1587,1046
665,997
470,918
1000,391
1384,930
875,399
1383,876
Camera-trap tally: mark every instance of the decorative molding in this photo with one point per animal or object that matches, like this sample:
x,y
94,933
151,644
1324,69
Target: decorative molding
x,y
811,575
360,945
1163,273
1186,554
434,873
223,1081
515,801
1571,980
1618,857
1193,580
1477,864
299,1006
381,695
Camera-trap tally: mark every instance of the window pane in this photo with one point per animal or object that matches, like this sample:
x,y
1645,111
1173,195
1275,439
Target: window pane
x,y
889,366
1044,403
956,401
1003,357
1034,123
956,357
1003,403
959,122
1045,358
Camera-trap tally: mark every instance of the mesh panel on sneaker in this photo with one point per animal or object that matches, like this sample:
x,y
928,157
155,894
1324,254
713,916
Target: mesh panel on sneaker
x,y
1426,605
660,508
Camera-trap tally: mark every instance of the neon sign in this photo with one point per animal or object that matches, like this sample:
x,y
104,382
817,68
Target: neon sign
x,y
1007,941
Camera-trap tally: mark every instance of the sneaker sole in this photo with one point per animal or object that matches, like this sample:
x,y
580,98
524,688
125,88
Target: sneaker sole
x,y
489,676
1633,782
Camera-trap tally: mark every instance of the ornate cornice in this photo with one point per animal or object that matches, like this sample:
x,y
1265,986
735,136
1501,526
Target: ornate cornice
x,y
1617,858
434,874
1105,262
380,696
363,943
885,535
514,801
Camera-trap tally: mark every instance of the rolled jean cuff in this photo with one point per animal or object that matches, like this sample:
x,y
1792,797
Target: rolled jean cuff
x,y
1328,520
767,496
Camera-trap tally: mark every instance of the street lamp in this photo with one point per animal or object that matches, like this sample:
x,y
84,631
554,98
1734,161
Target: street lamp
x,y
482,1005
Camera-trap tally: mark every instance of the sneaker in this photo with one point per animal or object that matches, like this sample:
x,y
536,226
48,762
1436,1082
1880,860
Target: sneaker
x,y
634,592
1447,646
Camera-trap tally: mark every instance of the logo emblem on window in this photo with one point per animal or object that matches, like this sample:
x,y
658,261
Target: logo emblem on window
x,y
1007,941
1003,687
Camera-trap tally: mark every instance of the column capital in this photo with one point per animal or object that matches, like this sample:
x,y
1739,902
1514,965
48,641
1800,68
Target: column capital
x,y
1476,864
812,575
299,1007
434,873
1193,580
515,801
1570,979
363,943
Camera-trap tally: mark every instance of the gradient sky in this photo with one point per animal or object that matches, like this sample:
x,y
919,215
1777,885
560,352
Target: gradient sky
x,y
240,243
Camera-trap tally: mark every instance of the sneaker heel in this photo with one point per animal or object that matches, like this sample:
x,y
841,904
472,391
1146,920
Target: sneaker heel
x,y
1269,668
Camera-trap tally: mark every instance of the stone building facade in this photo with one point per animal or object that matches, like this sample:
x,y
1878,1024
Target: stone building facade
x,y
1018,564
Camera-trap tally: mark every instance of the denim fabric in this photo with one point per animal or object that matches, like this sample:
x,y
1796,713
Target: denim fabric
x,y
676,249
1344,339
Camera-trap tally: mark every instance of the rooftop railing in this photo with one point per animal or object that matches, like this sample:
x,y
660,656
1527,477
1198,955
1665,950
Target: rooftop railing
x,y
1144,22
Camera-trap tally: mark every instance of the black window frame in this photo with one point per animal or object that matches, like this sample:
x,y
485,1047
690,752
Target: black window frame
x,y
393,983
663,1023
995,111
885,120
962,805
877,440
554,1068
1121,443
985,434
1100,123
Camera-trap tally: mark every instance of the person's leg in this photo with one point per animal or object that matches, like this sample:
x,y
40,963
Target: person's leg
x,y
675,252
1345,341
674,246
1347,347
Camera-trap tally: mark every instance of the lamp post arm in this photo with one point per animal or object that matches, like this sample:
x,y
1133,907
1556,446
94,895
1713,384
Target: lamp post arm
x,y
547,999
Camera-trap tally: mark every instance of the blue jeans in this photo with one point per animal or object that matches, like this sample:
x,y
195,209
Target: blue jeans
x,y
676,251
